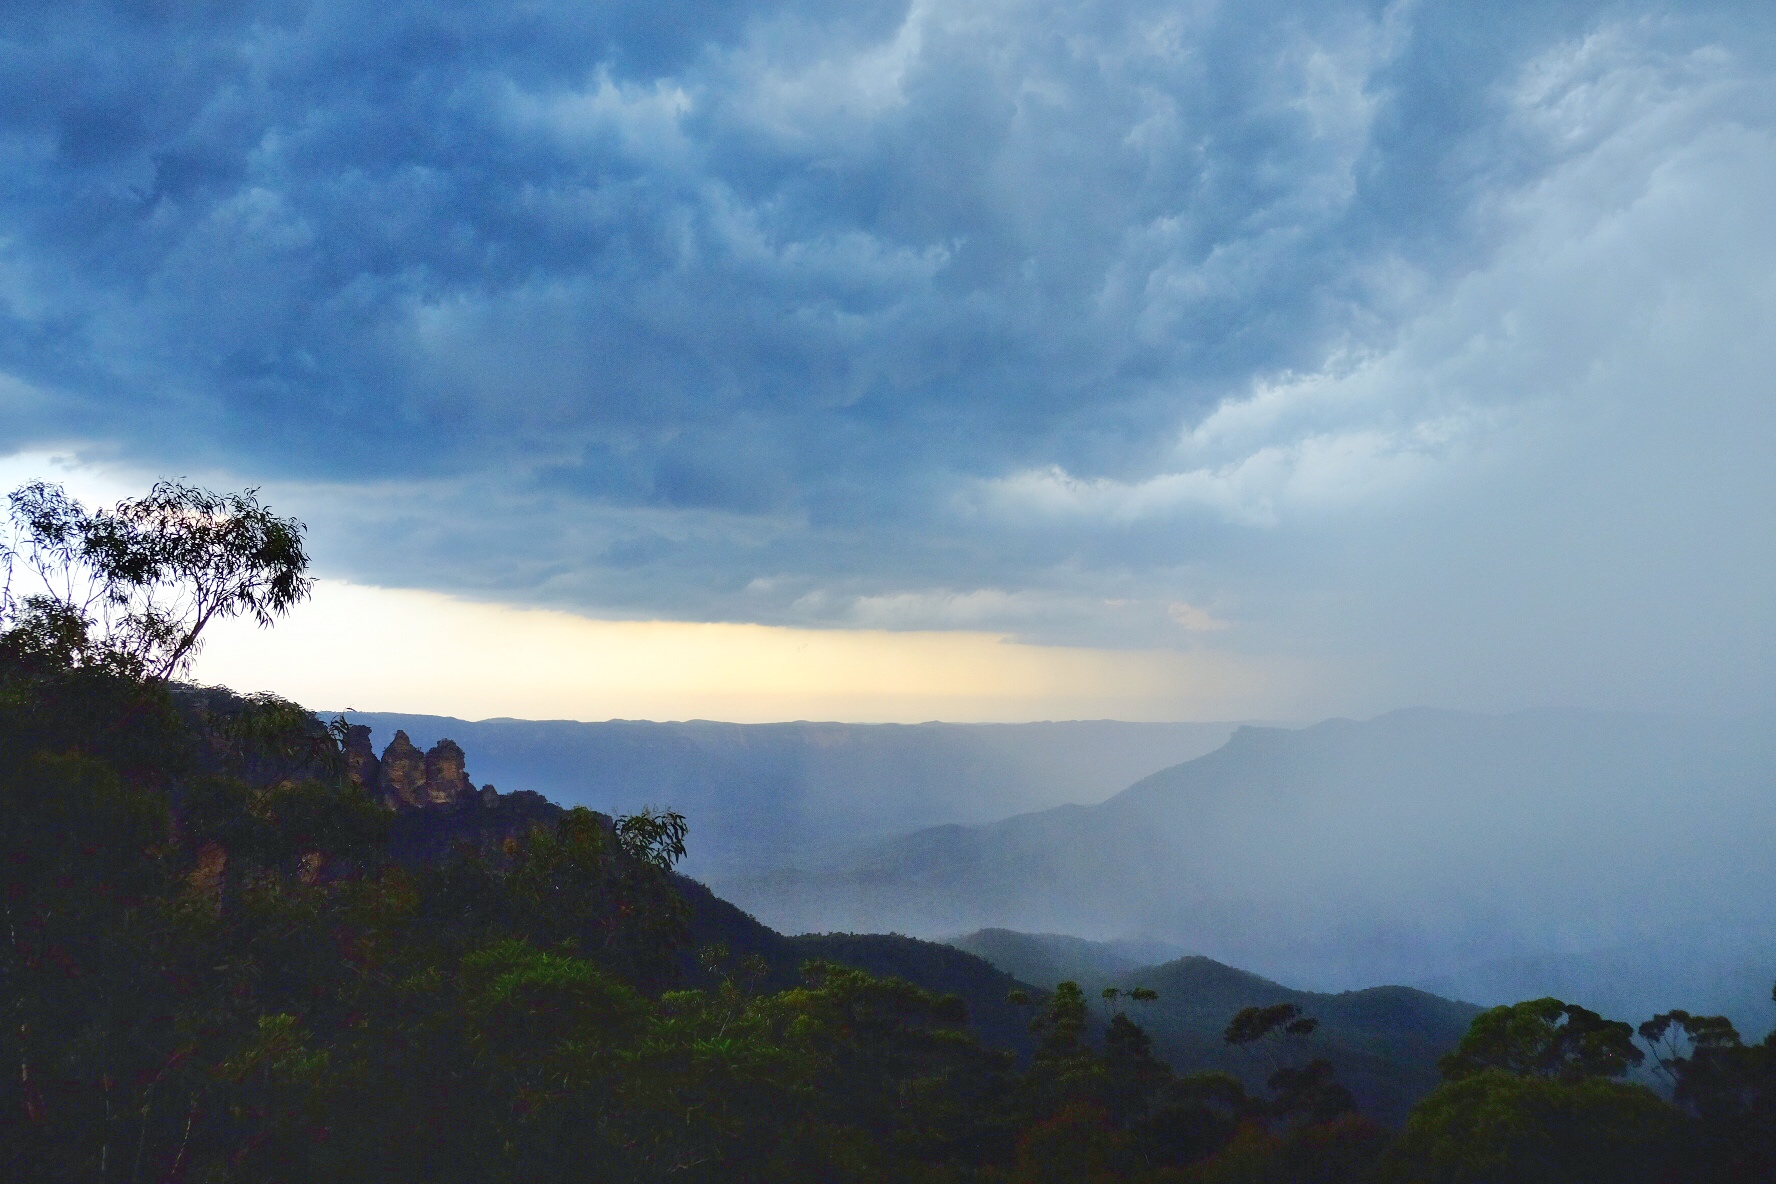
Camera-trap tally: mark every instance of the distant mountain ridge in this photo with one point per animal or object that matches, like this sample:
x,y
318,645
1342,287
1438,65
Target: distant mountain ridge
x,y
759,795
1384,1041
1049,958
1411,848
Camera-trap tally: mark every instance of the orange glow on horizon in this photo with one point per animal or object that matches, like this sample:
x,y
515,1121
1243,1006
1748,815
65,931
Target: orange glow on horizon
x,y
401,650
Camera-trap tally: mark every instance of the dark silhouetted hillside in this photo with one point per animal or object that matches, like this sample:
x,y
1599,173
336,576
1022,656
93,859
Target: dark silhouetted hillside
x,y
425,833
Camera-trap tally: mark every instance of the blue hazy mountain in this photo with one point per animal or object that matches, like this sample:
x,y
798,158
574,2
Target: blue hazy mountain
x,y
1049,958
758,795
1626,861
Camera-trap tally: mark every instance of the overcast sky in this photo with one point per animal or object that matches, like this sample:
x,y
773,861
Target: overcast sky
x,y
1374,354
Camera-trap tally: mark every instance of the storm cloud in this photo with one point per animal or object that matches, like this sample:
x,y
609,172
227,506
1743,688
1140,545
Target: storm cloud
x,y
1429,340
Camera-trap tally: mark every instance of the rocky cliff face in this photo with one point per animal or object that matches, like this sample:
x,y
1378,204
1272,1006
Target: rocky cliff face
x,y
361,764
403,773
446,779
407,779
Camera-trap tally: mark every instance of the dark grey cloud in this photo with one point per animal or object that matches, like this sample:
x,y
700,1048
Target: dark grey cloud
x,y
1036,315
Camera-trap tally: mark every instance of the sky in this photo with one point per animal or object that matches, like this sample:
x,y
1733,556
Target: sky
x,y
964,359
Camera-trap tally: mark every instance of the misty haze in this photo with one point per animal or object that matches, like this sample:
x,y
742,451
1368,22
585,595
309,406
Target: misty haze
x,y
888,592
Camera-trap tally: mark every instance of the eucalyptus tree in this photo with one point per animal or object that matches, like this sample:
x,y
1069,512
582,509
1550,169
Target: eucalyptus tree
x,y
131,588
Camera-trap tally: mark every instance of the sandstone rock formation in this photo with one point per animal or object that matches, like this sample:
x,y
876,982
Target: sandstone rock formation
x,y
361,764
403,773
446,780
407,779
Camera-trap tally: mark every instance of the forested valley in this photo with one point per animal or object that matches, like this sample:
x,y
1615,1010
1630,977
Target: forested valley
x,y
226,959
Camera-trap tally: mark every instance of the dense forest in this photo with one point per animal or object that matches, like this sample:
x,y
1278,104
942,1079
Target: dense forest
x,y
225,960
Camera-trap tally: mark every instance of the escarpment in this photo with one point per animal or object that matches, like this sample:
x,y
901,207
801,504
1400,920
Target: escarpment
x,y
404,778
437,807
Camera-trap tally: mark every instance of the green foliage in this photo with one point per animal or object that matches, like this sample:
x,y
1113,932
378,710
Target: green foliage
x,y
1306,1092
1064,1071
1278,1036
1253,1024
77,856
131,589
1729,1088
585,884
1544,1038
73,833
1132,1074
1077,1144
130,726
1497,1127
266,739
654,839
299,827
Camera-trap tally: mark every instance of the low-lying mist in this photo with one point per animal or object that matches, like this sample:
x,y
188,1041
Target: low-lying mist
x,y
1622,860
761,795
